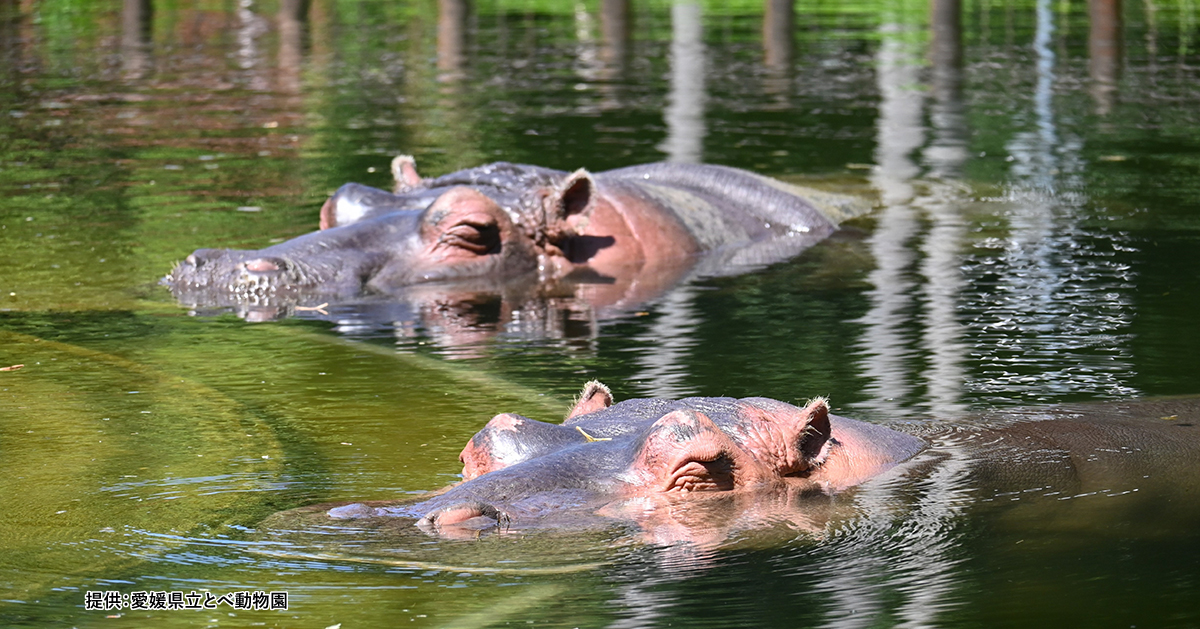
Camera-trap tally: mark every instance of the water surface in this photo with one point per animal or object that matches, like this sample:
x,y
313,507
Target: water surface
x,y
1034,242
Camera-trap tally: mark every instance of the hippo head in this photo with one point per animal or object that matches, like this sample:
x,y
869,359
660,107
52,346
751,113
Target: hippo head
x,y
375,242
649,460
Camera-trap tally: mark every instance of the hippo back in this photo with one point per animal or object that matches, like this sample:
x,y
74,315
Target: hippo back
x,y
746,220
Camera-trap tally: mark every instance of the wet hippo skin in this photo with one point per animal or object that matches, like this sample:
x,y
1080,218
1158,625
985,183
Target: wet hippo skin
x,y
606,457
502,222
688,469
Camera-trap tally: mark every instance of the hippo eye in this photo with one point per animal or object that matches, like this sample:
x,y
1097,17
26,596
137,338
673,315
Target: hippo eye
x,y
716,474
478,238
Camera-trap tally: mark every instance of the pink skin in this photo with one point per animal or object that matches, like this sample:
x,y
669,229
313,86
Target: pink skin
x,y
463,228
479,461
697,470
588,225
648,254
595,396
619,234
766,449
644,241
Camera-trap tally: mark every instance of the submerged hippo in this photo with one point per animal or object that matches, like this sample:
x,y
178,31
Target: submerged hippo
x,y
698,468
492,227
609,458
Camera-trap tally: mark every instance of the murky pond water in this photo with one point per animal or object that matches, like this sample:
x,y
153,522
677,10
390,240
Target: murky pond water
x,y
1034,242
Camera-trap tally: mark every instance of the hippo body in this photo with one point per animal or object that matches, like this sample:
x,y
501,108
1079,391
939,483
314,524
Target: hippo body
x,y
609,458
698,469
498,224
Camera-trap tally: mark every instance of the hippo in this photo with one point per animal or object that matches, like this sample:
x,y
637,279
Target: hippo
x,y
521,229
701,468
610,458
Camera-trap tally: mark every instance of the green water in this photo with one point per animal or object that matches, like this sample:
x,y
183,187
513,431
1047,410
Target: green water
x,y
1036,240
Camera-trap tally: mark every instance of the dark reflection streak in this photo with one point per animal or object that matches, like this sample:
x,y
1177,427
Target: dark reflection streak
x,y
1152,37
779,22
293,15
451,39
10,40
136,20
616,26
947,152
946,49
1104,51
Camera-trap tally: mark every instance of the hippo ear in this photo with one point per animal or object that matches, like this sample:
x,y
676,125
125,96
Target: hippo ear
x,y
595,397
814,440
404,171
790,440
574,195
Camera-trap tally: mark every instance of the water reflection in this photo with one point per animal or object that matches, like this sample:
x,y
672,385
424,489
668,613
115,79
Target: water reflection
x,y
616,28
886,340
251,27
1031,291
900,556
292,21
1104,51
959,307
451,39
779,43
1028,288
136,20
684,113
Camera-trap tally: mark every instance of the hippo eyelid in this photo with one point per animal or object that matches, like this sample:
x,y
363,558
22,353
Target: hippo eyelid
x,y
715,473
479,238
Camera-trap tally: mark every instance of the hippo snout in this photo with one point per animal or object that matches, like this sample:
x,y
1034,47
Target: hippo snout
x,y
241,274
200,258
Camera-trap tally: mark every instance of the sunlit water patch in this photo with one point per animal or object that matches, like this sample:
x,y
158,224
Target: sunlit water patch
x,y
147,448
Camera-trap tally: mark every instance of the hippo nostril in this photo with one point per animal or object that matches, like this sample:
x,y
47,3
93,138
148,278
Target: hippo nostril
x,y
262,265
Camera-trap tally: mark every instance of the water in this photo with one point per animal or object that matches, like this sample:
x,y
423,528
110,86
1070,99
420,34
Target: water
x,y
1034,242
